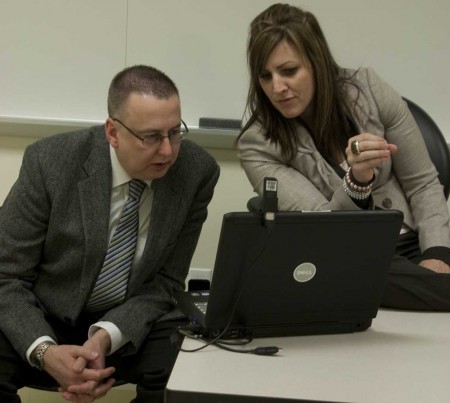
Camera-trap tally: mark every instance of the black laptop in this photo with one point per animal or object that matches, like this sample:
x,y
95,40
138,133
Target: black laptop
x,y
302,273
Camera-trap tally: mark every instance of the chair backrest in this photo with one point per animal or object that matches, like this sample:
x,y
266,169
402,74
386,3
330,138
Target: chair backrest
x,y
436,144
435,141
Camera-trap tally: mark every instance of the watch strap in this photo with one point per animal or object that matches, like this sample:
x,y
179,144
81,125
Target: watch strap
x,y
38,359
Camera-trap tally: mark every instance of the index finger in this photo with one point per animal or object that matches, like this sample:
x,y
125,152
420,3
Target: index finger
x,y
97,375
79,364
368,137
86,353
96,390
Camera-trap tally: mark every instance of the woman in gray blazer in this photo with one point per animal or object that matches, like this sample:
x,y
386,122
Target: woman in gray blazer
x,y
340,139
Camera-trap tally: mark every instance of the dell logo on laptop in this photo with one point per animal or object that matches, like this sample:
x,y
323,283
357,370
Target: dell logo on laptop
x,y
304,272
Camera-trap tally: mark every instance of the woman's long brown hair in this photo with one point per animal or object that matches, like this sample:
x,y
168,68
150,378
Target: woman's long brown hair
x,y
332,123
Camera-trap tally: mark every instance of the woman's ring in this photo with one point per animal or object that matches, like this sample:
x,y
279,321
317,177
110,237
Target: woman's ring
x,y
355,147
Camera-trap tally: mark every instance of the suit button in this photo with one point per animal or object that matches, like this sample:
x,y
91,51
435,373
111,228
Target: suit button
x,y
387,203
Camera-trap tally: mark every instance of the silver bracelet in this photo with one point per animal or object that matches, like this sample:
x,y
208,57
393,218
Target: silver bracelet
x,y
356,194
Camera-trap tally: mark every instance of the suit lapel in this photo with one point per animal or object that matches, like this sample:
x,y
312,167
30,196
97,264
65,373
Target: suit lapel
x,y
166,205
95,200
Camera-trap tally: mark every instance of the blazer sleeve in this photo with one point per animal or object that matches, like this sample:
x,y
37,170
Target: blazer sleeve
x,y
23,225
412,166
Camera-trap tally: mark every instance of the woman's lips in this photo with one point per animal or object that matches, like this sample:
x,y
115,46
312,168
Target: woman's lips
x,y
285,100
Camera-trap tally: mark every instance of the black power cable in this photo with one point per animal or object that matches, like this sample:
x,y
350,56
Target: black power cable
x,y
270,207
177,338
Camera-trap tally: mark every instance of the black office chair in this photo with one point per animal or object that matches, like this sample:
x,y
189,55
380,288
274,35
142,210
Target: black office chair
x,y
434,140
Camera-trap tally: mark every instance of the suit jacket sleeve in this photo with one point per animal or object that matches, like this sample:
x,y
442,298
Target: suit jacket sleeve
x,y
410,181
23,226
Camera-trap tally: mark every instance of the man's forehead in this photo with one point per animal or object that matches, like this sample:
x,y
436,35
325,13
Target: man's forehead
x,y
136,100
152,110
136,96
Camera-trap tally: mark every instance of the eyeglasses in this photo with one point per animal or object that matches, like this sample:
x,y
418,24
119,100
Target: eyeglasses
x,y
175,135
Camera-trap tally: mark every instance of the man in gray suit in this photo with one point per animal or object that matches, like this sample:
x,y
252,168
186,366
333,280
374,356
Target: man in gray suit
x,y
55,229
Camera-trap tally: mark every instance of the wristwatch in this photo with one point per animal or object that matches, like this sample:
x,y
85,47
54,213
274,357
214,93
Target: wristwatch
x,y
38,359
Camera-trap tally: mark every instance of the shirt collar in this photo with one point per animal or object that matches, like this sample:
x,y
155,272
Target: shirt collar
x,y
119,175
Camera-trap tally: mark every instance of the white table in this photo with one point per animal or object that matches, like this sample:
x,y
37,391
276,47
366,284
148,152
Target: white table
x,y
403,357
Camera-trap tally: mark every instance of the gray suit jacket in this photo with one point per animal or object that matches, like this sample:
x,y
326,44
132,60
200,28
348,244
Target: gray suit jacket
x,y
408,182
54,236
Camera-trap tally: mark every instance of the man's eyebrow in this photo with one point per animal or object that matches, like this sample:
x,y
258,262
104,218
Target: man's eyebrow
x,y
148,130
156,131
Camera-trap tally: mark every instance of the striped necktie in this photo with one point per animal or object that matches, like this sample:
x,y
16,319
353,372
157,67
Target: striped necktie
x,y
112,282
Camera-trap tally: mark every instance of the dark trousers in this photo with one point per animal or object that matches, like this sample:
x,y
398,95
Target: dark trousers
x,y
149,368
410,286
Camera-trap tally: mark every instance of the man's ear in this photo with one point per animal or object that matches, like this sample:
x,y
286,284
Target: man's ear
x,y
111,133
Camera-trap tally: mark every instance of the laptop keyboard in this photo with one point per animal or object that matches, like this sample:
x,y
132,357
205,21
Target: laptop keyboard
x,y
202,306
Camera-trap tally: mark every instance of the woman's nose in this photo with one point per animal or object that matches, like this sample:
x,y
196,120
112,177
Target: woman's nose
x,y
278,84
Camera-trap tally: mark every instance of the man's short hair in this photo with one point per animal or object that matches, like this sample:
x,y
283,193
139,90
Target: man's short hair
x,y
140,79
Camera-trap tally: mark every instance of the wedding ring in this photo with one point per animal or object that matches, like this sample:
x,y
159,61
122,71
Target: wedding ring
x,y
355,147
